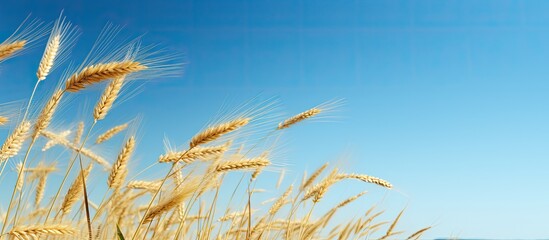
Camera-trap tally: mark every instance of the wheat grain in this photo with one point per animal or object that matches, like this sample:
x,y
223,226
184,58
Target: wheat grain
x,y
243,164
9,49
313,176
100,72
4,120
44,119
119,169
75,190
418,234
20,180
110,133
51,143
34,232
146,185
84,151
14,142
78,133
281,201
52,48
40,188
107,99
320,189
351,199
368,179
215,132
189,156
172,201
298,118
392,227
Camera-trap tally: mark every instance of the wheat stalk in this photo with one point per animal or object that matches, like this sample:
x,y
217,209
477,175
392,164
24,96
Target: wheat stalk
x,y
215,132
100,72
14,142
8,49
110,133
34,232
119,169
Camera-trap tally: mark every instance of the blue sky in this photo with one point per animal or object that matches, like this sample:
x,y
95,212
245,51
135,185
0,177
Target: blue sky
x,y
447,99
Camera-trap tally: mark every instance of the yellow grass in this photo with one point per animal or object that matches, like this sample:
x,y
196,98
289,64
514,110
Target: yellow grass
x,y
188,199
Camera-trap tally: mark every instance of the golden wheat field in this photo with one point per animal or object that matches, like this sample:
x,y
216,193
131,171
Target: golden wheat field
x,y
51,198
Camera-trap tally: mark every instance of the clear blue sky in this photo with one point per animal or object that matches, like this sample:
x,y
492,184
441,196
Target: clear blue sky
x,y
447,99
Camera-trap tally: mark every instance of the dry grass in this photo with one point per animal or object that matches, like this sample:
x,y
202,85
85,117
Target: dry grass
x,y
190,196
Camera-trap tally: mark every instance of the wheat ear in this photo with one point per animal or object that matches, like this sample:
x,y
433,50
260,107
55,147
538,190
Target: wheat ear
x,y
215,132
368,179
318,190
40,189
119,169
78,133
418,234
100,72
172,201
351,199
75,190
20,180
49,57
252,163
107,98
392,227
86,152
299,117
4,120
35,232
14,142
313,176
8,49
145,185
189,156
281,201
110,133
44,119
52,143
